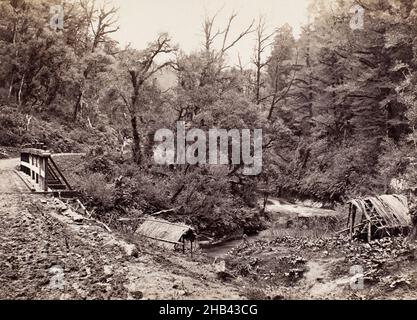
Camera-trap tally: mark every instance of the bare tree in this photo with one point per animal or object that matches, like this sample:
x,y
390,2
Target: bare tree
x,y
262,44
106,24
102,22
140,67
279,94
215,57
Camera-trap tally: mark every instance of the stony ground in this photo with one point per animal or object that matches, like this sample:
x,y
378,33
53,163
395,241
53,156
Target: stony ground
x,y
328,268
47,251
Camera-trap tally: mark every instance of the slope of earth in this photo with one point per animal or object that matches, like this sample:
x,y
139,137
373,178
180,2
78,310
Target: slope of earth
x,y
49,252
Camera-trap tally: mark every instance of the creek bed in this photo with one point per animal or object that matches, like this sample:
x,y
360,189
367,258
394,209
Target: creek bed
x,y
286,219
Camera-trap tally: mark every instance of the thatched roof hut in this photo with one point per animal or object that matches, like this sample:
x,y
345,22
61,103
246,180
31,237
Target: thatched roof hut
x,y
375,217
167,234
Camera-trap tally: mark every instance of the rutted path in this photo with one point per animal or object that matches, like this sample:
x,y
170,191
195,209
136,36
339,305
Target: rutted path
x,y
46,254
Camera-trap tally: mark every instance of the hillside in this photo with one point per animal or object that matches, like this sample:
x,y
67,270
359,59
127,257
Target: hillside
x,y
260,160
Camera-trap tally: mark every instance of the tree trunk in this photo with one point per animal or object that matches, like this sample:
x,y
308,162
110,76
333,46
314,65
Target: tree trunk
x,y
77,107
265,201
11,87
122,149
19,95
137,154
271,108
258,81
28,120
52,96
413,232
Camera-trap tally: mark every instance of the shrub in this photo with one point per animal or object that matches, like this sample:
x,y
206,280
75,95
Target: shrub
x,y
9,139
100,164
99,191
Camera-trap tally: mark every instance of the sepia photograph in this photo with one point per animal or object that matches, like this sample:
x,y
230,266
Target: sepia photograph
x,y
208,150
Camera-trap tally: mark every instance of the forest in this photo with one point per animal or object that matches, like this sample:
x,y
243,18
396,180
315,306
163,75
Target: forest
x,y
337,106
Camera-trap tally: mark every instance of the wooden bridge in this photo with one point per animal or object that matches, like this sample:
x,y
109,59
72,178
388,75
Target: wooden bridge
x,y
37,164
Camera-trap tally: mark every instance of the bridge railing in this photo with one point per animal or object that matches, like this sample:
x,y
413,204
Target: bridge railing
x,y
34,163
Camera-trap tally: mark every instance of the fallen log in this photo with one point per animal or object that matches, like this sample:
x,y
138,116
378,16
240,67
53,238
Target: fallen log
x,y
100,223
166,211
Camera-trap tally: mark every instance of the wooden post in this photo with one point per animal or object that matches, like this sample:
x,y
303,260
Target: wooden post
x,y
349,215
45,172
349,224
352,218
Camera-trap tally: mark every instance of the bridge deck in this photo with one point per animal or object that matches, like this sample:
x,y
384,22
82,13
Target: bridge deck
x,y
10,182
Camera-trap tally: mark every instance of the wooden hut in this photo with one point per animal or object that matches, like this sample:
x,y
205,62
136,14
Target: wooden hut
x,y
376,217
169,235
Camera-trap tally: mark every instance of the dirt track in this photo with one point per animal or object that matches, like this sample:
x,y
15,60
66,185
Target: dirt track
x,y
10,182
45,254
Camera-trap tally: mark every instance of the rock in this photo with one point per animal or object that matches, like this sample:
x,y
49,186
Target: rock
x,y
299,260
224,276
399,282
4,154
137,294
78,219
108,270
296,272
131,250
183,293
219,266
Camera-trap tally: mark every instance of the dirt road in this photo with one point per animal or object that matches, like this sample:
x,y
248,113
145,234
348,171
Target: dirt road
x,y
10,183
47,254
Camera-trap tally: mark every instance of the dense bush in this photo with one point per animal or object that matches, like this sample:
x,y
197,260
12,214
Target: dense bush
x,y
99,190
205,201
9,139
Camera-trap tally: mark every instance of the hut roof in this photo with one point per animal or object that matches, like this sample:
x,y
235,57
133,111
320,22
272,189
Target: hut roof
x,y
166,233
393,209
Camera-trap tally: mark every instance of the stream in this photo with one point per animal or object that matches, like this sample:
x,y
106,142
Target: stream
x,y
281,211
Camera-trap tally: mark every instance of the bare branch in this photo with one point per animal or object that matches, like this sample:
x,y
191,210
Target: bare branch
x,y
262,43
225,47
277,98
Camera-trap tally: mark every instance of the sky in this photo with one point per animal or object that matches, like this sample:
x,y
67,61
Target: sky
x,y
142,20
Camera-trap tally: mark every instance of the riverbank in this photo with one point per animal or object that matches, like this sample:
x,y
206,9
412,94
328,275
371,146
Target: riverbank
x,y
327,268
285,219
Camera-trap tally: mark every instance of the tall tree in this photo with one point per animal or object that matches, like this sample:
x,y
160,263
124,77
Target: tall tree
x,y
138,68
101,20
281,67
263,43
